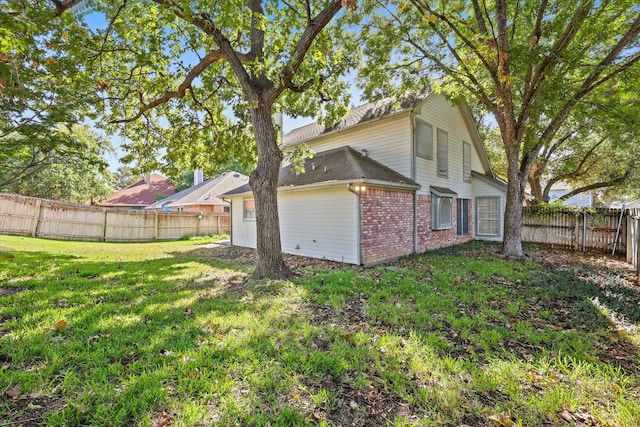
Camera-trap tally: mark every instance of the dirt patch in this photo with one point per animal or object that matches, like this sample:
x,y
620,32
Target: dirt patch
x,y
29,411
5,292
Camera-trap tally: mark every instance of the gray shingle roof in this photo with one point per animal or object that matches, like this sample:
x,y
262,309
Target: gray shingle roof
x,y
364,113
338,165
205,193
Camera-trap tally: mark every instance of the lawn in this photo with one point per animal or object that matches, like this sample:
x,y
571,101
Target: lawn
x,y
175,334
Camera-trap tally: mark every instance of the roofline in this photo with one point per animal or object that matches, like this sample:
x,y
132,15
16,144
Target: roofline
x,y
490,180
196,203
357,125
477,139
340,183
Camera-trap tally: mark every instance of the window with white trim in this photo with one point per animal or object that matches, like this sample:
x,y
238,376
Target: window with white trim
x,y
441,212
466,162
424,139
443,153
249,209
488,216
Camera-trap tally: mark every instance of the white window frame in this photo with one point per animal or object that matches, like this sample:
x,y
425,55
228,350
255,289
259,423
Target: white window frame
x,y
481,220
443,154
441,219
427,150
248,214
466,161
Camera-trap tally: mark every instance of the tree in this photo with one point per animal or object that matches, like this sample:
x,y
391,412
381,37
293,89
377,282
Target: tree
x,y
529,63
43,91
595,149
78,176
174,73
124,177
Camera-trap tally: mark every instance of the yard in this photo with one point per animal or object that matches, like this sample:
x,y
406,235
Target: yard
x,y
174,334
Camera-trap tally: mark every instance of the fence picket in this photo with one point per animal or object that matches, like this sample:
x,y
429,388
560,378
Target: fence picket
x,y
29,216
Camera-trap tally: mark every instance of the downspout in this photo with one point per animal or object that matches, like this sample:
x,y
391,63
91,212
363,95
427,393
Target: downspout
x,y
413,177
230,219
358,225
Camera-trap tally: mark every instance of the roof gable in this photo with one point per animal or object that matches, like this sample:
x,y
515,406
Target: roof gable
x,y
336,166
141,193
205,193
356,116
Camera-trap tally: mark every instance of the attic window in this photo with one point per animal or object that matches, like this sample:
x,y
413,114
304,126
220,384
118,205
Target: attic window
x,y
466,162
424,139
443,154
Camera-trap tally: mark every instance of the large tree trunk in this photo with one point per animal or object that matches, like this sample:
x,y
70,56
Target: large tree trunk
x,y
264,184
512,241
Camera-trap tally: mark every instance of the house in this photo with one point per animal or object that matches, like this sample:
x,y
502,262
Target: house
x,y
202,197
559,189
141,193
390,179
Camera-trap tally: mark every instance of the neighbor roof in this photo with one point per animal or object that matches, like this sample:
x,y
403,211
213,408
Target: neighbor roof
x,y
141,193
364,113
335,166
205,193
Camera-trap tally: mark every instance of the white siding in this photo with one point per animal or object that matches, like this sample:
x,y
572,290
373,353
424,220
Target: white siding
x,y
438,112
243,232
481,188
388,141
318,223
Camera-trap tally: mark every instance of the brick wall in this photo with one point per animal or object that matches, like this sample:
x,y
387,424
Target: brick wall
x,y
433,239
386,225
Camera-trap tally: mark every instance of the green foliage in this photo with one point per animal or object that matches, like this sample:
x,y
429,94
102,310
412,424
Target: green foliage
x,y
124,177
150,49
74,171
44,90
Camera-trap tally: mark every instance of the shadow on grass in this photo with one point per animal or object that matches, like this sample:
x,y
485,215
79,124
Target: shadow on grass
x,y
447,338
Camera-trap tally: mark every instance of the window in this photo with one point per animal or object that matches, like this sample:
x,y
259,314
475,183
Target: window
x,y
249,209
488,216
424,139
466,162
226,209
442,212
443,154
462,217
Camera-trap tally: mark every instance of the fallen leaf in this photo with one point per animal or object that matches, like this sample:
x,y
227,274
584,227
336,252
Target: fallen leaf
x,y
61,324
163,421
14,392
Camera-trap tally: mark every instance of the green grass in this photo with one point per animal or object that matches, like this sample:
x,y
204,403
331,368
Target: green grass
x,y
137,334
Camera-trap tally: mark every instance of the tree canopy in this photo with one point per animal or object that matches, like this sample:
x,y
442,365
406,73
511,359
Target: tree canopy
x,y
530,64
185,82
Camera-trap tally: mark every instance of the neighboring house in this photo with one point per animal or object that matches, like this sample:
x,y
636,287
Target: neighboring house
x,y
202,197
386,181
142,193
559,189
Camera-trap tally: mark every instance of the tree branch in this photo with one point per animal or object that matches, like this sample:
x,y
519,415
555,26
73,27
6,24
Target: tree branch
x,y
313,28
597,185
209,59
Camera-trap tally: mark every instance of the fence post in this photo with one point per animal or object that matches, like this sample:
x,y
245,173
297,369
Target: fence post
x,y
155,230
36,218
584,230
637,247
629,242
218,223
104,225
576,232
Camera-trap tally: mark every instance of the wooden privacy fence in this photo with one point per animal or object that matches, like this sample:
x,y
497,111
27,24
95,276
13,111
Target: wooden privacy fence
x,y
29,216
598,229
633,250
